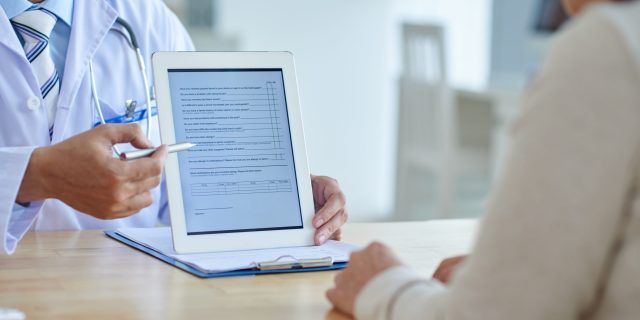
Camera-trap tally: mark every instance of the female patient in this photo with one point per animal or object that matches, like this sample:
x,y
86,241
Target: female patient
x,y
561,238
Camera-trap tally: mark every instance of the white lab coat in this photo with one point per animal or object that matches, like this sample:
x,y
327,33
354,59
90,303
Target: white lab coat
x,y
23,127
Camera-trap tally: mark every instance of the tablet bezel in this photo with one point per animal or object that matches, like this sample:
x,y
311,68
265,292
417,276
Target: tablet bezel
x,y
183,243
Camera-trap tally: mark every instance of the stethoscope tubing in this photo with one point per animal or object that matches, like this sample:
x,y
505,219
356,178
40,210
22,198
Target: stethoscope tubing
x,y
143,72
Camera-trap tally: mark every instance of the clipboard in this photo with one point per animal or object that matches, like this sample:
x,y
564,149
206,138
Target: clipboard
x,y
284,264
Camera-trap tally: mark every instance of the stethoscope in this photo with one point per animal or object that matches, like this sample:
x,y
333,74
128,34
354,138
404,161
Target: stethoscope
x,y
133,42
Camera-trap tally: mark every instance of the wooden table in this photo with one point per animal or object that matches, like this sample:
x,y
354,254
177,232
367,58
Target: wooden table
x,y
85,275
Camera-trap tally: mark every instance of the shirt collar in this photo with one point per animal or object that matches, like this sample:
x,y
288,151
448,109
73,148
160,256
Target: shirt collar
x,y
63,9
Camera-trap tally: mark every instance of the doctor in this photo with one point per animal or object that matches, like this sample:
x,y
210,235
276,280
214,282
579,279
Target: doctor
x,y
56,165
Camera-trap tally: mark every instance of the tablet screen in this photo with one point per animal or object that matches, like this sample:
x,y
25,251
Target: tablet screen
x,y
241,175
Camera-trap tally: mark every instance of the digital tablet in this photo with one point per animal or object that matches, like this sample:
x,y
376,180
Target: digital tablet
x,y
246,183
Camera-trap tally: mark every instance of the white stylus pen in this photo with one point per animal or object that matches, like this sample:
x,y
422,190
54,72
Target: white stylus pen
x,y
132,155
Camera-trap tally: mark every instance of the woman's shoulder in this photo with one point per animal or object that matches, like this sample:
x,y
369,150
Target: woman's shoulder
x,y
628,13
602,35
610,24
624,17
594,58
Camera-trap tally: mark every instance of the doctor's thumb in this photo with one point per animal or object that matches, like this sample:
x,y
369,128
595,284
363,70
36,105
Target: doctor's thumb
x,y
161,153
126,133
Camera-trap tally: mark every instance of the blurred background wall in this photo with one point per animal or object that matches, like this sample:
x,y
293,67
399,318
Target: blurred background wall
x,y
350,58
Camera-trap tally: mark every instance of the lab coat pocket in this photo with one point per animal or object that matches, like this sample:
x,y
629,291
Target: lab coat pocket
x,y
155,128
137,115
140,117
109,111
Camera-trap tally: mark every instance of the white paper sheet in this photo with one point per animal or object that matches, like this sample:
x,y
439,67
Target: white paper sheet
x,y
159,239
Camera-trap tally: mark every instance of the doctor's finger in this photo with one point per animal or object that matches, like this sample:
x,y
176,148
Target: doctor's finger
x,y
126,133
135,204
145,185
325,232
335,204
144,168
336,235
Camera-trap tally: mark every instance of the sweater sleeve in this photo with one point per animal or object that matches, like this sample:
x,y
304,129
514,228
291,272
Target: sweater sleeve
x,y
560,201
378,298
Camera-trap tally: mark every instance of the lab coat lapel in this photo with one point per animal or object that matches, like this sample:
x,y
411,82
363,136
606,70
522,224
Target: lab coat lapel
x,y
11,45
92,19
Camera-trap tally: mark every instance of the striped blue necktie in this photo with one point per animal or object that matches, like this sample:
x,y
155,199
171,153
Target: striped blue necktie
x,y
35,27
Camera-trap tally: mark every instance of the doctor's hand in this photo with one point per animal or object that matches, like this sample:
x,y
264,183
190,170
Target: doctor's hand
x,y
331,212
83,173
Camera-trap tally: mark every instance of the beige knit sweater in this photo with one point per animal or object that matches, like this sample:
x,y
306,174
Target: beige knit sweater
x,y
561,236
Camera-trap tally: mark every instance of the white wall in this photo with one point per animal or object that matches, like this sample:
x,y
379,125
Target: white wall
x,y
348,57
343,63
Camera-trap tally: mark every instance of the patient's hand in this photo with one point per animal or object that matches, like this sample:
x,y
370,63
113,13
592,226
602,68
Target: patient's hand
x,y
447,268
363,266
331,211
